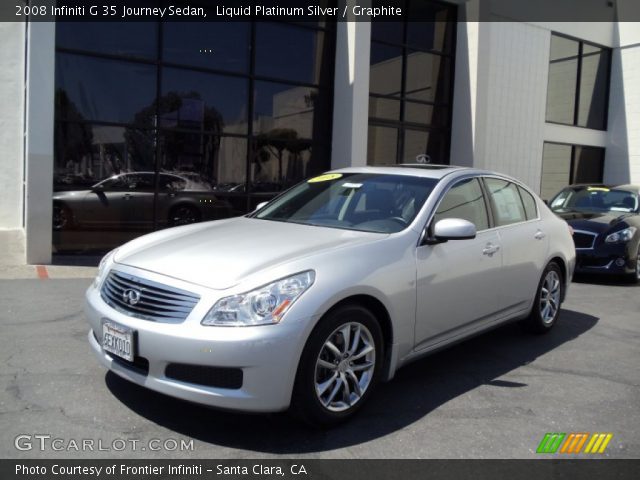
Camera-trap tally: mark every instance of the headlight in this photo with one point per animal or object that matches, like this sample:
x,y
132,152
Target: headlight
x,y
103,267
262,306
622,236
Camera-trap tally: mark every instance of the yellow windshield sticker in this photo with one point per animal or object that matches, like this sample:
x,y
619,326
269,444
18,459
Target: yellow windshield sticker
x,y
324,178
597,189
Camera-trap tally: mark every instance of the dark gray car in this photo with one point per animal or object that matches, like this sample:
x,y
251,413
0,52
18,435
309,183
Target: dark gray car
x,y
126,201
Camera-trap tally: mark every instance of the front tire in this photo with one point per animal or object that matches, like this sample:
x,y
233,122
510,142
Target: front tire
x,y
340,366
62,217
546,306
635,276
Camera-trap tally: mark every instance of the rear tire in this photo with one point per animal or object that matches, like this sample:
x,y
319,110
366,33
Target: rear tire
x,y
183,215
339,368
546,305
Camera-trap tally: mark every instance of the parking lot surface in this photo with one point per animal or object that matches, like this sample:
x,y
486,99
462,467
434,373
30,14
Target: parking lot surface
x,y
494,396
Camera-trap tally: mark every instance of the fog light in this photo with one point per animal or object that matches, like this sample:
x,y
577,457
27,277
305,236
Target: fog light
x,y
620,262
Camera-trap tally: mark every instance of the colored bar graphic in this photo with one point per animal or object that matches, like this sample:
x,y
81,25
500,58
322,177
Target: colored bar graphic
x,y
605,442
550,443
598,443
581,443
572,443
569,442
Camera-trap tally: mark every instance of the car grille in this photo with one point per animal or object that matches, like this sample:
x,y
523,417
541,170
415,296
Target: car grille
x,y
145,299
583,239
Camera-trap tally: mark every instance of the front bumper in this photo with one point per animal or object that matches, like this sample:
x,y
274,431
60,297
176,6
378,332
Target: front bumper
x,y
606,259
267,355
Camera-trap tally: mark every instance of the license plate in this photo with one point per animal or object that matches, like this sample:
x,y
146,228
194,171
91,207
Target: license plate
x,y
117,339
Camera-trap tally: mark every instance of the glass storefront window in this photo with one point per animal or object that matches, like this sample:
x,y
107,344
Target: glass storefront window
x,y
382,145
426,114
203,101
410,85
289,52
578,87
104,90
126,39
385,75
563,72
427,77
279,163
283,107
215,140
384,108
592,107
434,29
422,145
563,165
392,32
87,154
218,46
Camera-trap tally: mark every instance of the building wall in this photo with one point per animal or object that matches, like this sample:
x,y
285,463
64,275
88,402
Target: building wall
x,y
511,126
622,159
12,55
500,97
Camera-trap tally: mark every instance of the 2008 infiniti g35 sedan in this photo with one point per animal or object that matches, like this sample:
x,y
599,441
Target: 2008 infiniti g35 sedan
x,y
328,289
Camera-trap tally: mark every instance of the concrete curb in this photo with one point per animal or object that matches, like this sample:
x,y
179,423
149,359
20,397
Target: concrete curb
x,y
45,272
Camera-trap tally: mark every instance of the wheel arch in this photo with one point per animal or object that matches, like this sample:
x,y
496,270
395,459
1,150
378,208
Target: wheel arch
x,y
380,311
563,271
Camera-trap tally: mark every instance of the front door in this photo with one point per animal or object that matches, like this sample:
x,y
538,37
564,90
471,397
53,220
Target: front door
x,y
458,281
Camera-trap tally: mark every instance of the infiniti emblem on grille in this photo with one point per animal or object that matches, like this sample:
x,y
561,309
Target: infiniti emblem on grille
x,y
131,296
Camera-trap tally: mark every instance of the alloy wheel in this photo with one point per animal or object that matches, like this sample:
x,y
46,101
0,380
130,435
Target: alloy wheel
x,y
60,217
550,297
184,216
345,367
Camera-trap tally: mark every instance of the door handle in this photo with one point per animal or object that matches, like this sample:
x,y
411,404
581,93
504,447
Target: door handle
x,y
539,235
490,249
126,196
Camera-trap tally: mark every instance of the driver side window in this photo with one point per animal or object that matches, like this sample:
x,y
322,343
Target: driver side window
x,y
464,200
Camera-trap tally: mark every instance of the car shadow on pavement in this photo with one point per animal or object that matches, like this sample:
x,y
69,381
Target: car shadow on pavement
x,y
416,390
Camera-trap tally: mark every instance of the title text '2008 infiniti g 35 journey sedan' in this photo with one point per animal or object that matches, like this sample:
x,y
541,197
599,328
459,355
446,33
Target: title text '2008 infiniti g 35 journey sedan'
x,y
328,289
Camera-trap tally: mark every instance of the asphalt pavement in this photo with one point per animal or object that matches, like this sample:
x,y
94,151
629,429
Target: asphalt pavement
x,y
494,396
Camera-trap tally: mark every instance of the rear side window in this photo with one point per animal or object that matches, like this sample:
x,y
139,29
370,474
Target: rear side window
x,y
529,204
507,205
464,200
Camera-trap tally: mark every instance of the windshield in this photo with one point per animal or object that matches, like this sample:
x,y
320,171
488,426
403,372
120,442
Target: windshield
x,y
355,201
599,199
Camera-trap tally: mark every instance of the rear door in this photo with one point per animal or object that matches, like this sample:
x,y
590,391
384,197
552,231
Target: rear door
x,y
458,281
523,238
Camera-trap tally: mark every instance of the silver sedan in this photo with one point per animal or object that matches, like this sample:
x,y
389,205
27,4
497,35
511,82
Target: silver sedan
x,y
328,289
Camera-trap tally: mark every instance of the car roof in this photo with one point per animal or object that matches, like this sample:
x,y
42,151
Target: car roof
x,y
435,171
627,186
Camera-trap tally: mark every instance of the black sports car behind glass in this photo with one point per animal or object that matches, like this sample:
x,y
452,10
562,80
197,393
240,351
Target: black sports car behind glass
x,y
606,225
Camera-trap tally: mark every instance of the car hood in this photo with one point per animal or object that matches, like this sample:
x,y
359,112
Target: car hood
x,y
597,222
221,254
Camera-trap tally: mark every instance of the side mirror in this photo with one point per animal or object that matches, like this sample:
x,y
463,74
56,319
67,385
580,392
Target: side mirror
x,y
98,188
454,229
260,205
